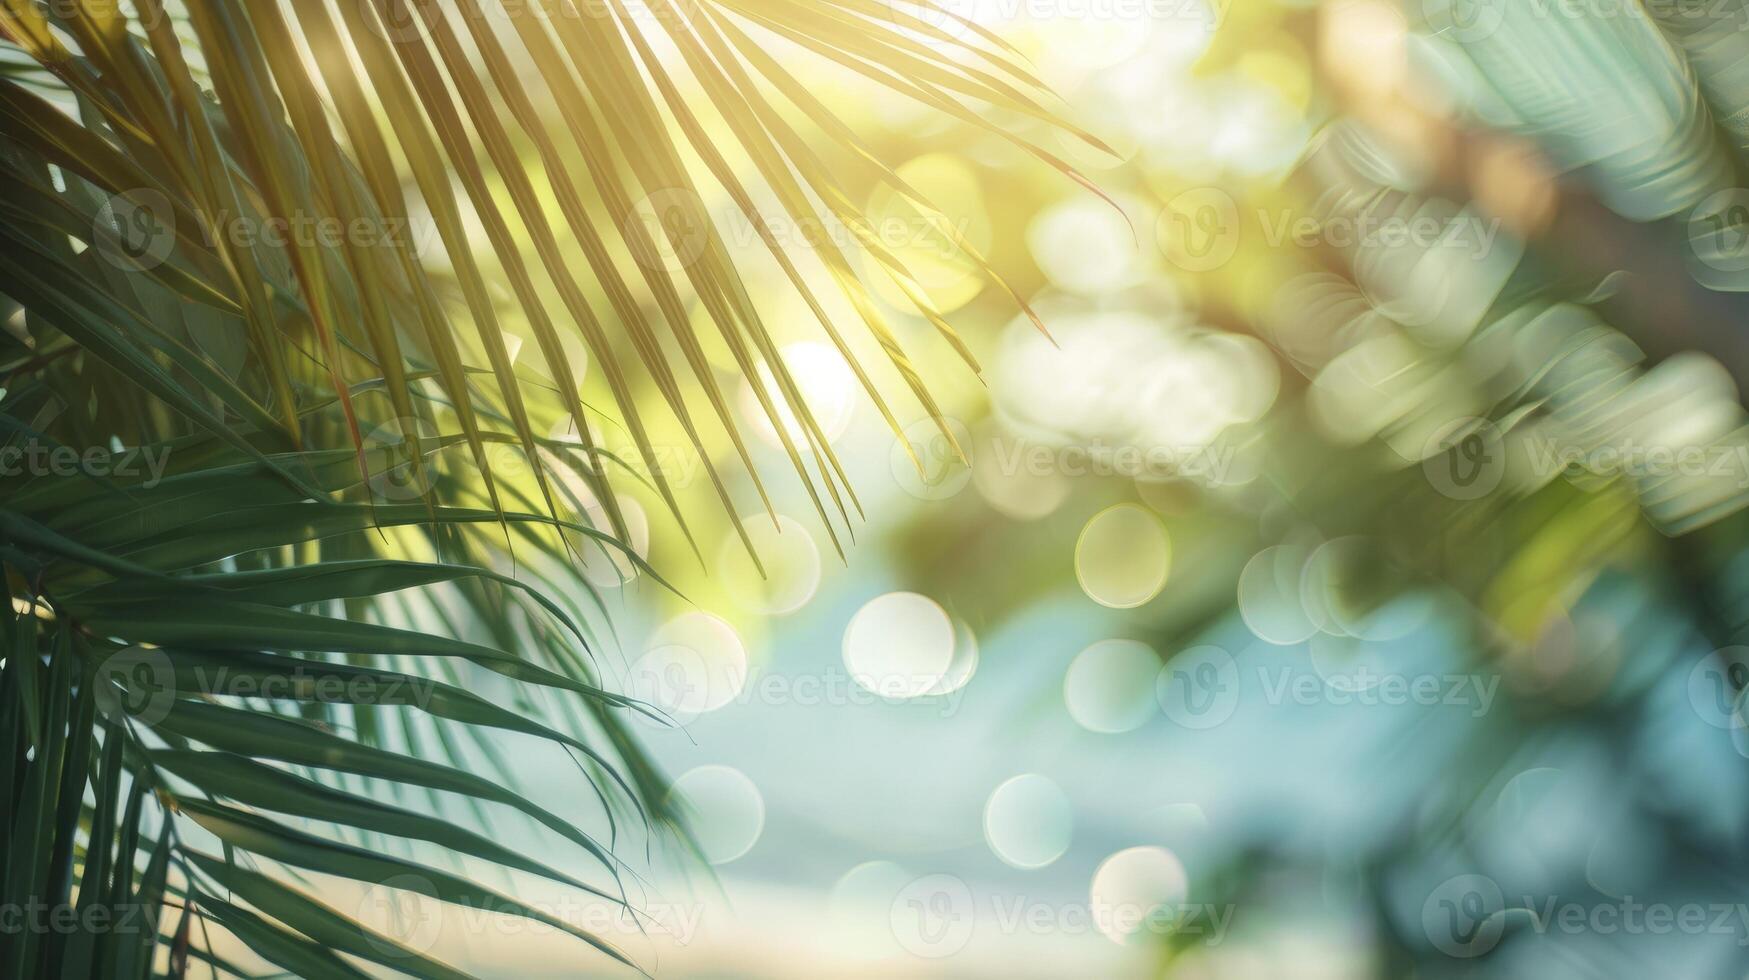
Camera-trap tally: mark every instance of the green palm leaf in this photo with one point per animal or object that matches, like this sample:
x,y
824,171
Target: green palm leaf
x,y
258,640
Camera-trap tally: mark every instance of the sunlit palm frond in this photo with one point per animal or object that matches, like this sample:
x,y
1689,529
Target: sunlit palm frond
x,y
281,632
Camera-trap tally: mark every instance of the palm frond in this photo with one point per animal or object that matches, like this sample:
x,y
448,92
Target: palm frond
x,y
277,633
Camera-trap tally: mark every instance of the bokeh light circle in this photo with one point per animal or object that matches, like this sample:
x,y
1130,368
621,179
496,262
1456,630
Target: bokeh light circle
x,y
607,566
1109,687
1269,596
1016,490
1342,586
899,645
944,472
924,242
1716,684
1134,888
790,558
1084,246
730,808
692,664
1123,556
860,904
1199,688
826,384
964,664
1028,821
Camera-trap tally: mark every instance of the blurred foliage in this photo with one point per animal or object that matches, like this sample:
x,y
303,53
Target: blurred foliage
x,y
1469,461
